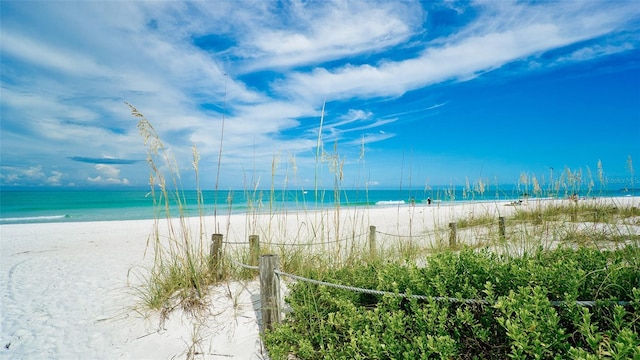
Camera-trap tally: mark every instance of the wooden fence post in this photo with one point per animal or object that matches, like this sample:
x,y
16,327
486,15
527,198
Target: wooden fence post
x,y
216,255
452,236
254,249
501,227
269,291
373,250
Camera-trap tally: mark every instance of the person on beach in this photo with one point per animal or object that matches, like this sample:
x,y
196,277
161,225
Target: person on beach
x,y
413,201
429,200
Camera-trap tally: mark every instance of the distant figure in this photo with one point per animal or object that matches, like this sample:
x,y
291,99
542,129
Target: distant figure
x,y
413,201
429,200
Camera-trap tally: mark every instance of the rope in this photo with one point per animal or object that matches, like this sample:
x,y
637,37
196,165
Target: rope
x,y
380,292
311,244
403,236
421,235
588,303
584,303
395,235
244,265
299,244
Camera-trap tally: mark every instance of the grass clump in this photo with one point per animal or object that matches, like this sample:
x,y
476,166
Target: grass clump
x,y
476,220
578,212
181,270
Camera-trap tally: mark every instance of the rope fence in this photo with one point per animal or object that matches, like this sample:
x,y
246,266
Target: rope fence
x,y
250,267
270,291
423,234
300,244
268,266
381,292
453,229
584,303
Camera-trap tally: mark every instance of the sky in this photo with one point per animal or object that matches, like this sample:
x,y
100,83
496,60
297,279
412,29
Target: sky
x,y
314,94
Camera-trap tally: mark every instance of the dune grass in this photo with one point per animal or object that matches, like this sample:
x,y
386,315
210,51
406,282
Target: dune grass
x,y
180,273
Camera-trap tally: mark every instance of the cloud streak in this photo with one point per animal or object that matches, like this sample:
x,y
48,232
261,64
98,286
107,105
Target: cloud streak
x,y
104,161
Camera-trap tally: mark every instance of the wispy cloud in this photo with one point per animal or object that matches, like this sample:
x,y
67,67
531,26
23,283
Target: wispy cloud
x,y
324,31
593,52
370,138
46,56
459,58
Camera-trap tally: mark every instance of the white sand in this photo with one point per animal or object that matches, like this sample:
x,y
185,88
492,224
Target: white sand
x,y
67,287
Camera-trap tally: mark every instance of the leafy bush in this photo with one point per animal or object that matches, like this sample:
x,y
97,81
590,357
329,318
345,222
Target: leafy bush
x,y
525,308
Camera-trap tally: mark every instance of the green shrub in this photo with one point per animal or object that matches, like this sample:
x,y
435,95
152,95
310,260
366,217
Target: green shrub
x,y
525,308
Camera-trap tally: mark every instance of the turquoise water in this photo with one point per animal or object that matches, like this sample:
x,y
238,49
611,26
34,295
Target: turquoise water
x,y
17,207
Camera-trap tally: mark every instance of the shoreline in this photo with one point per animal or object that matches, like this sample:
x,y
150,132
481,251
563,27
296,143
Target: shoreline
x,y
60,209
393,204
69,289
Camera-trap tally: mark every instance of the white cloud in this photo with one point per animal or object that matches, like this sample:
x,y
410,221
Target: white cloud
x,y
352,116
331,30
596,51
47,56
29,176
460,60
55,178
501,34
372,138
432,107
108,174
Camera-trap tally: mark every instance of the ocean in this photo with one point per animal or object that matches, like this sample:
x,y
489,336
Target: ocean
x,y
20,207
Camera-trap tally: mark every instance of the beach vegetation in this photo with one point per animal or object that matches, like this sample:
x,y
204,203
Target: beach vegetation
x,y
523,282
510,307
180,273
476,220
578,211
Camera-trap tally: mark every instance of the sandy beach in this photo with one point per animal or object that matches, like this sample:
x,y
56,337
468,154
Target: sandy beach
x,y
69,289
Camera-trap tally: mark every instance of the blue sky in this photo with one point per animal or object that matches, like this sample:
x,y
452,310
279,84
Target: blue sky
x,y
415,93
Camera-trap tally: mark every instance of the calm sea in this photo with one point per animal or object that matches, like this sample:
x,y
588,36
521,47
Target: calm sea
x,y
18,207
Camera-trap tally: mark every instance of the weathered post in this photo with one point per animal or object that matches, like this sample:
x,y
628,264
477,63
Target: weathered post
x,y
453,236
501,227
373,250
216,255
254,249
269,291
